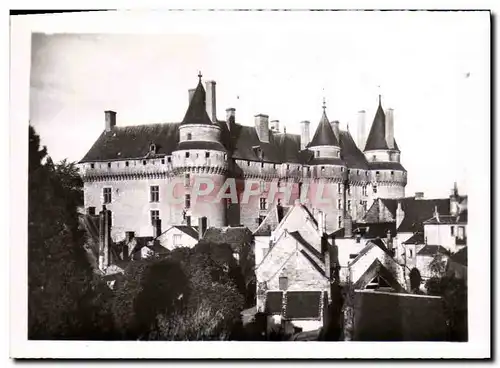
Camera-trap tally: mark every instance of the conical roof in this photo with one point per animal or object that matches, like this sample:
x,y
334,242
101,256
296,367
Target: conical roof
x,y
376,139
324,135
197,112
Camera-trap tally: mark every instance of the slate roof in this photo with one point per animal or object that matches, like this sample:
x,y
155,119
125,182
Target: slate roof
x,y
271,221
133,142
274,302
228,235
192,231
417,238
303,304
386,166
416,211
460,257
431,250
350,153
324,135
378,269
197,109
377,230
372,243
376,137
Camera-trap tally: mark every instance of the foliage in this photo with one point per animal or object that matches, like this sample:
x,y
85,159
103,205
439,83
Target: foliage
x,y
437,266
348,308
415,280
63,294
454,293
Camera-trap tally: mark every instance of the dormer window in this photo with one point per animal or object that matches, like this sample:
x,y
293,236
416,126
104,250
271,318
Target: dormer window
x,y
152,148
189,136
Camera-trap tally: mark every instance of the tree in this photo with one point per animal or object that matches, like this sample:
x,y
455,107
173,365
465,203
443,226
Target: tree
x,y
61,286
415,280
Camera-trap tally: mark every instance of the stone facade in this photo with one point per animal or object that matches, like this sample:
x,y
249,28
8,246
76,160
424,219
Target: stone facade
x,y
127,166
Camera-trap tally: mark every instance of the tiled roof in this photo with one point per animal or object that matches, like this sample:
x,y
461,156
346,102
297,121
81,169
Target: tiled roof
x,y
376,137
417,238
303,304
197,110
324,135
228,235
274,302
134,142
416,211
271,221
431,250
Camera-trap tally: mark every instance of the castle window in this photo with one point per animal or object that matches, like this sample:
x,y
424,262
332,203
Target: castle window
x,y
377,173
263,204
92,166
283,283
169,159
154,193
349,205
90,210
339,188
248,163
287,167
322,169
109,164
364,190
106,194
155,215
274,166
126,163
339,222
374,158
452,231
317,153
207,154
144,162
374,188
187,179
339,204
187,201
187,154
262,164
341,169
392,173
162,161
411,253
348,189
189,136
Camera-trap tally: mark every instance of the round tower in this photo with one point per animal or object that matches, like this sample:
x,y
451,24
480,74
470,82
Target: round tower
x,y
200,162
387,176
328,176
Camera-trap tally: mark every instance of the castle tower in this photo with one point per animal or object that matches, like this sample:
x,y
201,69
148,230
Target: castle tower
x,y
328,173
388,176
200,162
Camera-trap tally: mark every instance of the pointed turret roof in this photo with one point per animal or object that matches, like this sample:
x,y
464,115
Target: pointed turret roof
x,y
376,138
324,135
197,112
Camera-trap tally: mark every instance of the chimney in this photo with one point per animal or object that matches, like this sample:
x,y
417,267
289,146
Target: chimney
x,y
188,220
400,215
361,130
202,227
304,134
210,101
419,195
104,238
454,201
156,228
389,128
335,128
109,120
191,93
321,223
230,117
262,127
275,126
347,226
436,213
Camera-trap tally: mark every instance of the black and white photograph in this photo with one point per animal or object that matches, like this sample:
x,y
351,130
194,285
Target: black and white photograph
x,y
252,177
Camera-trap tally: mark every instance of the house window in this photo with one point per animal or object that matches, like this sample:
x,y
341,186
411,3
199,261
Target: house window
x,y
169,159
187,201
207,154
411,253
283,282
260,219
339,204
349,205
452,231
91,210
189,136
154,192
177,240
187,154
263,204
109,164
339,222
155,215
106,193
92,166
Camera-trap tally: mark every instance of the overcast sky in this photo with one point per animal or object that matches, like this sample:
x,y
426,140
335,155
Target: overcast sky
x,y
429,66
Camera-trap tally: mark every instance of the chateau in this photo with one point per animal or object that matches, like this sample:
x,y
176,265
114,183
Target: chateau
x,y
130,169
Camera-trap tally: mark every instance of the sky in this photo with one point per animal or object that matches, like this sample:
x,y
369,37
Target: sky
x,y
428,67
